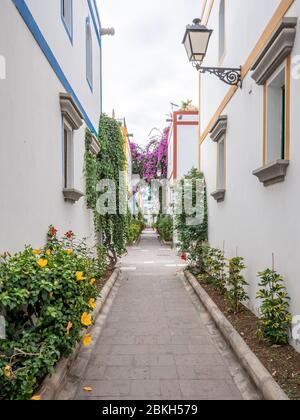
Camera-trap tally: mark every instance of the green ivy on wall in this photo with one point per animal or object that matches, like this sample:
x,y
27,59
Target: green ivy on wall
x,y
192,236
91,172
113,228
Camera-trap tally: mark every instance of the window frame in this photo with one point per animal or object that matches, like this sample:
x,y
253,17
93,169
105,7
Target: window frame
x,y
68,29
285,136
221,141
222,54
68,161
88,30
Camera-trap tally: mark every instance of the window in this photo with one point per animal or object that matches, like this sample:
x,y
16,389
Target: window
x,y
221,181
221,29
72,120
272,70
275,92
218,136
67,16
276,134
68,156
89,53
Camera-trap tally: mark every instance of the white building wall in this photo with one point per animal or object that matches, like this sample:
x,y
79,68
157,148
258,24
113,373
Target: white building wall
x,y
170,152
254,221
31,167
183,140
72,56
187,149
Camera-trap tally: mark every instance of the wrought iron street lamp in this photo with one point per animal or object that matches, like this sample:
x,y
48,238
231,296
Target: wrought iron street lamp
x,y
196,40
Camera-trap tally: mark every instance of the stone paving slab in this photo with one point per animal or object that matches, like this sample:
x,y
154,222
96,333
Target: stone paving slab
x,y
154,343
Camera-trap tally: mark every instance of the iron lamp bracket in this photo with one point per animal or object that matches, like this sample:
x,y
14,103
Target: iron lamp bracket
x,y
231,76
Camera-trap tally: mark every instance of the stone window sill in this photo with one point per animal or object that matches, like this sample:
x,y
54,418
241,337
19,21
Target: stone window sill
x,y
272,173
219,195
72,194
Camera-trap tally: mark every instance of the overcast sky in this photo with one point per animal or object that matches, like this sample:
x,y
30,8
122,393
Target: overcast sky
x,y
145,66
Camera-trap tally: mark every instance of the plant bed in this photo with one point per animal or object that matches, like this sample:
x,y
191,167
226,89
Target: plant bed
x,y
48,298
164,228
53,383
283,362
136,225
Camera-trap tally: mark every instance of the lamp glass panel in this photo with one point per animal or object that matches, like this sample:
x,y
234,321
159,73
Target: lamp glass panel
x,y
188,47
198,57
199,41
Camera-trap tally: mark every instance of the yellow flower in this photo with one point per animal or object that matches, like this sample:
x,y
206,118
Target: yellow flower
x,y
87,340
36,252
7,371
36,398
48,252
80,276
93,282
92,303
42,262
69,327
69,251
86,319
88,389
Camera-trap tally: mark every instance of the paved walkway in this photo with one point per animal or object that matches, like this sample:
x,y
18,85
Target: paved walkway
x,y
155,343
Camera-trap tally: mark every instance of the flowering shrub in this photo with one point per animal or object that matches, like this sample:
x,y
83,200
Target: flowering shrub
x,y
46,296
148,162
137,155
164,226
192,236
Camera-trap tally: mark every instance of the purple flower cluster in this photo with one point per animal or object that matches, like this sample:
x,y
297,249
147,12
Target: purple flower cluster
x,y
153,159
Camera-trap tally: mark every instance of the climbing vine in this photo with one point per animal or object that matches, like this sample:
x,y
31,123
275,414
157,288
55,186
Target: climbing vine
x,y
113,228
91,172
191,236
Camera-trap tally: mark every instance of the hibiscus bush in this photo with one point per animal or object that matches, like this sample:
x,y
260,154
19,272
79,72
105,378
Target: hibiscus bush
x,y
46,298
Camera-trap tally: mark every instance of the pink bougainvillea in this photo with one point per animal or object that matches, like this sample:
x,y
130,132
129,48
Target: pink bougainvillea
x,y
153,159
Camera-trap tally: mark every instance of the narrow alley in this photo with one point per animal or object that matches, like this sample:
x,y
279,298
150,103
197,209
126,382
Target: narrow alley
x,y
157,341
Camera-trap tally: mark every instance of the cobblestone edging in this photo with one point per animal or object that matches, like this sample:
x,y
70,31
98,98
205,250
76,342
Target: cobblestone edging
x,y
52,384
258,373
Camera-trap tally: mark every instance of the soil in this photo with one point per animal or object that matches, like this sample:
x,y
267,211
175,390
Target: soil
x,y
283,362
106,276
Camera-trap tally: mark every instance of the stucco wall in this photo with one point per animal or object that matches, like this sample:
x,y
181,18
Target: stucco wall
x,y
184,133
72,56
187,149
31,177
170,152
